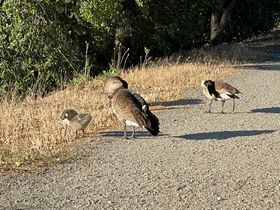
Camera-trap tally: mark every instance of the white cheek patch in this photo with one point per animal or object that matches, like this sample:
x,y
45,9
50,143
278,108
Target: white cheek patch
x,y
131,123
65,122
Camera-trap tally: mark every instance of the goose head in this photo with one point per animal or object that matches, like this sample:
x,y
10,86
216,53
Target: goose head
x,y
113,84
68,114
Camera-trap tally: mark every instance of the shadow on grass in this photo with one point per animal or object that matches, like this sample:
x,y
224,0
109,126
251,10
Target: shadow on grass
x,y
128,133
222,135
272,110
180,102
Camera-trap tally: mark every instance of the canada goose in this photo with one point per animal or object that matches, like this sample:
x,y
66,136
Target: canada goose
x,y
220,91
70,117
132,110
112,84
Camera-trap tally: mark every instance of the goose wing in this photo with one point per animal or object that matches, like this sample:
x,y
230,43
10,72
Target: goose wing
x,y
81,121
141,102
126,107
129,107
152,120
225,88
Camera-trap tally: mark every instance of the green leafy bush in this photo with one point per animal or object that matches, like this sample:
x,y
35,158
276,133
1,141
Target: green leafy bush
x,y
36,49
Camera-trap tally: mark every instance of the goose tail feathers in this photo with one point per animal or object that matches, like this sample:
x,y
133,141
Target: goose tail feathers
x,y
153,123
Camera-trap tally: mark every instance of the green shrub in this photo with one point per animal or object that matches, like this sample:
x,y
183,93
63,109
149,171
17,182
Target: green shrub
x,y
36,49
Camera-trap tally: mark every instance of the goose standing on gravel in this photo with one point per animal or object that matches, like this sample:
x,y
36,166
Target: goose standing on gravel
x,y
130,108
220,91
70,117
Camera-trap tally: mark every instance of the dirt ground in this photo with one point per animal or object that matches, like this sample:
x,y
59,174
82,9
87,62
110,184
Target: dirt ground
x,y
199,160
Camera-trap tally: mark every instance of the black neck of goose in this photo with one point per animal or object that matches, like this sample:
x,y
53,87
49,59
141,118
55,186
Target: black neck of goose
x,y
212,90
125,85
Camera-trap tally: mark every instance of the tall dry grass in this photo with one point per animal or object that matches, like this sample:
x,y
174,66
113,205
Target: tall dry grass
x,y
30,131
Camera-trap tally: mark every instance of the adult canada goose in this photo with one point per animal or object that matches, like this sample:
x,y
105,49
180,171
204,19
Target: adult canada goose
x,y
220,91
130,108
76,121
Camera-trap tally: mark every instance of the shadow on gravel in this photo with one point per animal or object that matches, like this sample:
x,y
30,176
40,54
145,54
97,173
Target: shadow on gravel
x,y
272,110
224,134
191,101
128,133
270,52
266,67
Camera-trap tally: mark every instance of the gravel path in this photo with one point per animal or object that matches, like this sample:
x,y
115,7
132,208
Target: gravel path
x,y
199,161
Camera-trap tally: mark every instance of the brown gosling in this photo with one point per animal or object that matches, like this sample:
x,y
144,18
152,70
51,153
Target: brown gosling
x,y
76,121
130,108
219,91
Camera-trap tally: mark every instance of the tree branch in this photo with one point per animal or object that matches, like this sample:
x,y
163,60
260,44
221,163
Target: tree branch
x,y
219,20
226,14
2,2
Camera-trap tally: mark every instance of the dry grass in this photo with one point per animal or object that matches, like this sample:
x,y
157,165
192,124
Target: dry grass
x,y
30,131
171,82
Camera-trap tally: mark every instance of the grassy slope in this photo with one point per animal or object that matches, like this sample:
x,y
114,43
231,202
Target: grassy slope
x,y
30,132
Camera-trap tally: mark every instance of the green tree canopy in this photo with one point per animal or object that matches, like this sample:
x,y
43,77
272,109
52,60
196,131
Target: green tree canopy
x,y
45,43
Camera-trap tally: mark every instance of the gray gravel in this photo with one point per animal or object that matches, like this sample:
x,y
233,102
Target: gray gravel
x,y
199,161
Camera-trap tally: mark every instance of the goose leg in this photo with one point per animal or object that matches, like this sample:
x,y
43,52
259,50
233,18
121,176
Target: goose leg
x,y
209,106
65,130
223,104
124,130
233,107
133,127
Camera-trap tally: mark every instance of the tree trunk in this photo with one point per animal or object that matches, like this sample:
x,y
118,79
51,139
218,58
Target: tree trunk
x,y
214,26
219,20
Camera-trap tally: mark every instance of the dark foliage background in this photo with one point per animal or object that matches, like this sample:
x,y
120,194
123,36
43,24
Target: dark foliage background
x,y
45,44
